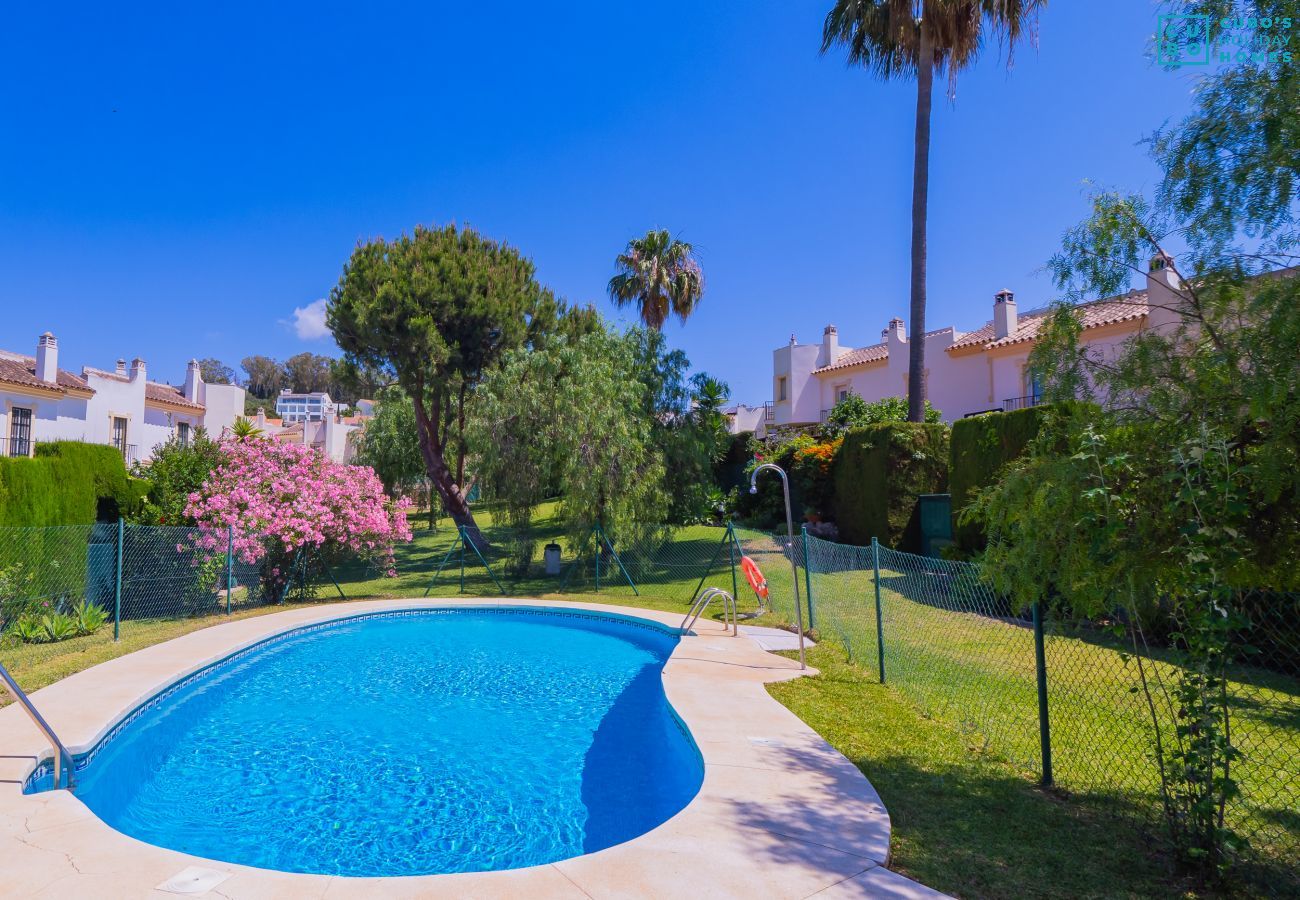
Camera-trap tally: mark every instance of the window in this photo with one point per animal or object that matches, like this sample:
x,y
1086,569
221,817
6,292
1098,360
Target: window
x,y
20,432
841,393
183,434
780,389
119,433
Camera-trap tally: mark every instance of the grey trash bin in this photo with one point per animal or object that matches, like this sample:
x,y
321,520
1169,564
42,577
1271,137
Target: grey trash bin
x,y
551,556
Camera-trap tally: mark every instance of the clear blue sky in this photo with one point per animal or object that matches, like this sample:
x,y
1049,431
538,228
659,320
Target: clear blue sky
x,y
176,179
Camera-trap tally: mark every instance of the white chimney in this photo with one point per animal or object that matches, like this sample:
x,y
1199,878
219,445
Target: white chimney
x,y
193,380
1164,293
121,368
895,332
830,345
137,369
47,358
1004,314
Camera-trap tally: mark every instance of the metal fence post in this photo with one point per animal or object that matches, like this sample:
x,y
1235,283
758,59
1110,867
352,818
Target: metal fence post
x,y
460,531
807,578
230,563
1044,722
599,548
117,588
730,538
880,619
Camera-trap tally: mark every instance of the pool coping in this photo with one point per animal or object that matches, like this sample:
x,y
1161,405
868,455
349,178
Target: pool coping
x,y
780,813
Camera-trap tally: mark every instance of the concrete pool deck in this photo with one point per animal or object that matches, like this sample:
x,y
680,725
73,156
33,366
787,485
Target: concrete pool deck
x,y
781,814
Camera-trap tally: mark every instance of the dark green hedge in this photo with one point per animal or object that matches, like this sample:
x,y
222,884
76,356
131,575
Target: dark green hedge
x,y
879,473
981,446
67,483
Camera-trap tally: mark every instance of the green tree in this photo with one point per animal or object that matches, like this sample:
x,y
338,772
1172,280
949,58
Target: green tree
x,y
571,418
917,39
1177,493
658,275
214,371
390,443
264,376
308,372
435,310
853,411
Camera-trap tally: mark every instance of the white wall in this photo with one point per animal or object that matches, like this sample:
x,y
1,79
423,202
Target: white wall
x,y
53,418
802,405
223,404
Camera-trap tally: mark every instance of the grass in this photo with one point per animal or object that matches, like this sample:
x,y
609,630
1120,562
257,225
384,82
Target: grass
x,y
977,673
951,740
967,822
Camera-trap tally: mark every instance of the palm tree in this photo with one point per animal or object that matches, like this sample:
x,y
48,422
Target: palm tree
x,y
244,428
906,38
659,275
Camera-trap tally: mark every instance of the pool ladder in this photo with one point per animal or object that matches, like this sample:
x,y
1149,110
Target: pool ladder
x,y
702,603
61,753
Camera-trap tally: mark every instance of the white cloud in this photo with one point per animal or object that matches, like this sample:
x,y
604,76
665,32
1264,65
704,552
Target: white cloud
x,y
309,321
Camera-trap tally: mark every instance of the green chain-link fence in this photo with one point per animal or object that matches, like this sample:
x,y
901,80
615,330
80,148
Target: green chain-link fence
x,y
962,654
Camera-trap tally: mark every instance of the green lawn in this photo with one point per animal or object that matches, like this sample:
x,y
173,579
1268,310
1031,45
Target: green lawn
x,y
967,822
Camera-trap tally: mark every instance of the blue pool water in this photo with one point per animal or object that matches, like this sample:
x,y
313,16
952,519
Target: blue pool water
x,y
439,742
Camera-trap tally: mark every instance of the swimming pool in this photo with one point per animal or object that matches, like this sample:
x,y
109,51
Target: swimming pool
x,y
408,743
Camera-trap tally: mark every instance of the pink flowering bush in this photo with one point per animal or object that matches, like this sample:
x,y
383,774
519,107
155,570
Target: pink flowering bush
x,y
287,501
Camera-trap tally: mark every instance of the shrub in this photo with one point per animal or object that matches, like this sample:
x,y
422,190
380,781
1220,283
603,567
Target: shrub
x,y
981,448
880,472
284,500
175,471
853,411
67,483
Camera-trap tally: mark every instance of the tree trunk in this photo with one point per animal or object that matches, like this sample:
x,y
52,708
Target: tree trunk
x,y
440,474
920,199
460,440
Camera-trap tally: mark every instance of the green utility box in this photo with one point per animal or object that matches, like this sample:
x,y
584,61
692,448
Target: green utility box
x,y
936,522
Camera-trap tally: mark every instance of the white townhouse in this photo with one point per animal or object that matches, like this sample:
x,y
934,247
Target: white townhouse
x,y
966,372
41,402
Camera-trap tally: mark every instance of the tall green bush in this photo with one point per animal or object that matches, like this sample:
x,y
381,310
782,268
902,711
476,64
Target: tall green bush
x,y
67,483
981,447
880,472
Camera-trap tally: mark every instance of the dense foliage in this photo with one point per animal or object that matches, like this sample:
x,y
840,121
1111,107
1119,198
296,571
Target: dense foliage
x,y
572,419
981,447
67,483
435,311
1181,492
854,411
881,471
174,472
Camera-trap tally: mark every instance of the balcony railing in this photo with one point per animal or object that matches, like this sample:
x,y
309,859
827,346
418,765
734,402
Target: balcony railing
x,y
129,454
769,412
18,446
1021,402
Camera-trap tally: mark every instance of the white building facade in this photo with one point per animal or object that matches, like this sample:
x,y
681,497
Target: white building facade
x,y
41,402
313,407
965,372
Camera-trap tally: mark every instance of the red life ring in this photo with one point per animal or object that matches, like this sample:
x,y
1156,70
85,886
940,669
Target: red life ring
x,y
754,576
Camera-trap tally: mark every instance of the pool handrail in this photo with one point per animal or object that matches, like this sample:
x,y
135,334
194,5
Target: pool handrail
x,y
60,752
702,603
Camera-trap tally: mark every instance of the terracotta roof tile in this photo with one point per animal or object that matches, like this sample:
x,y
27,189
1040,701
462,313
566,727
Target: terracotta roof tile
x,y
166,393
17,369
874,353
1092,315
